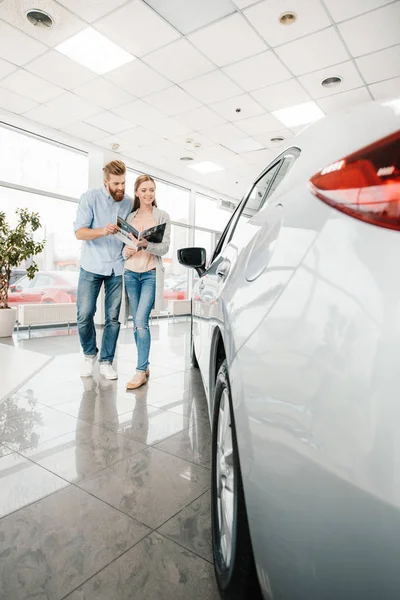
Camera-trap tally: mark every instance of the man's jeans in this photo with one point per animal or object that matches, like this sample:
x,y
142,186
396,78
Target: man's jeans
x,y
88,290
141,290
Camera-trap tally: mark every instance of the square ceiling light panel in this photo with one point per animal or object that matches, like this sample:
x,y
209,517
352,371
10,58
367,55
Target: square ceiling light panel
x,y
94,51
189,15
308,112
206,167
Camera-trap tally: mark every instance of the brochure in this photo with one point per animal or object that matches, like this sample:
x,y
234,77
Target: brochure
x,y
153,234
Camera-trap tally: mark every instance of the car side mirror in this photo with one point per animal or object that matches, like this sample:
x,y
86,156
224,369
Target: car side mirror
x,y
194,258
12,287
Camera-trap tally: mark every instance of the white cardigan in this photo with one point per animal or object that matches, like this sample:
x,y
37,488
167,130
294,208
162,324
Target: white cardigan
x,y
158,250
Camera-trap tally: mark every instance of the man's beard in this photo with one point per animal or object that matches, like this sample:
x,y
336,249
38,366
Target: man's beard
x,y
117,195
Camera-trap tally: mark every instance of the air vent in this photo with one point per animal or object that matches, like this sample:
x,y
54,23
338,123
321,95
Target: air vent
x,y
331,82
288,18
226,205
38,18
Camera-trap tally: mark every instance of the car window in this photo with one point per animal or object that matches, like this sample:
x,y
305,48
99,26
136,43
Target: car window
x,y
258,196
24,283
43,281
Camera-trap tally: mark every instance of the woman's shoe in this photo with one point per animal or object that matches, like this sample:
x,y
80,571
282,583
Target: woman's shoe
x,y
137,380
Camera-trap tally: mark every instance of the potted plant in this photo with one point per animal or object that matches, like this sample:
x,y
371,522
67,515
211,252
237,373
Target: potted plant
x,y
16,245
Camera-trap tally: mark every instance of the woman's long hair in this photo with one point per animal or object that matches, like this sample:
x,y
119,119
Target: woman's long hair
x,y
141,179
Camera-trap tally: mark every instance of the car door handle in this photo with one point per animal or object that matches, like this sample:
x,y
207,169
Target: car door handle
x,y
223,268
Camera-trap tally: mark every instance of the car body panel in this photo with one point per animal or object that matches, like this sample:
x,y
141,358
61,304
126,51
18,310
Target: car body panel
x,y
309,315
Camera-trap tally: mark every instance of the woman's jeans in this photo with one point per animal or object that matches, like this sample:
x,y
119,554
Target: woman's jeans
x,y
141,290
88,290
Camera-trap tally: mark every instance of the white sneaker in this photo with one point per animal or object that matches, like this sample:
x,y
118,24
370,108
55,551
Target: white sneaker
x,y
107,371
87,367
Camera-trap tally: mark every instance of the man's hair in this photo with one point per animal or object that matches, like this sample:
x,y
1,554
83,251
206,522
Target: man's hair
x,y
115,167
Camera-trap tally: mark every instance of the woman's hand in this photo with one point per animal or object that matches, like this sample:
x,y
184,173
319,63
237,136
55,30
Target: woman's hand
x,y
143,243
129,251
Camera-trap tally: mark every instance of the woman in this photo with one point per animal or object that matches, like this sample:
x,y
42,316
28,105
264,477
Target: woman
x,y
144,272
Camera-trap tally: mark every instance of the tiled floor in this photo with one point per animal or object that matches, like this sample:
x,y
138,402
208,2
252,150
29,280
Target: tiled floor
x,y
104,494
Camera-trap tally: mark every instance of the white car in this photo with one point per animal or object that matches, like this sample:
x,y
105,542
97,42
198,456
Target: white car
x,y
296,331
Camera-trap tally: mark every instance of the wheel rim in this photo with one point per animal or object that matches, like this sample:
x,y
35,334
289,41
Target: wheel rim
x,y
225,475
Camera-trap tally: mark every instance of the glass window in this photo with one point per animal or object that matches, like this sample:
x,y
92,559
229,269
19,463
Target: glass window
x,y
204,239
174,199
259,192
59,262
32,162
176,276
209,215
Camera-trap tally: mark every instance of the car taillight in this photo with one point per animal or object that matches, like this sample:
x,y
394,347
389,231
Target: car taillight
x,y
366,184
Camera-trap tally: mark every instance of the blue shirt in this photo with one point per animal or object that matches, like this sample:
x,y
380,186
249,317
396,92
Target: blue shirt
x,y
97,208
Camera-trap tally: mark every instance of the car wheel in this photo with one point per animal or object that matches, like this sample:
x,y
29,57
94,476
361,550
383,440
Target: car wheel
x,y
232,550
193,358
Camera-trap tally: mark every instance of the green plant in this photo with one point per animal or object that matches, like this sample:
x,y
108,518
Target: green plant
x,y
17,245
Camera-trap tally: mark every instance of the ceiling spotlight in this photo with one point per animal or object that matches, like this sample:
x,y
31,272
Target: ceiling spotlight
x,y
238,110
277,139
288,18
186,158
115,147
331,82
38,18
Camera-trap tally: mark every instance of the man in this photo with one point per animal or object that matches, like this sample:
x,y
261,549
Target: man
x,y
101,262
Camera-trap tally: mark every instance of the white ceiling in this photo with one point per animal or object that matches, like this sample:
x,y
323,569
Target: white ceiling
x,y
196,63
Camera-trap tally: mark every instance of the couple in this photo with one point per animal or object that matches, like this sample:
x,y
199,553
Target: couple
x,y
105,259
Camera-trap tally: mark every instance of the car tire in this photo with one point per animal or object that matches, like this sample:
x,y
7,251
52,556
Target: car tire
x,y
235,568
193,358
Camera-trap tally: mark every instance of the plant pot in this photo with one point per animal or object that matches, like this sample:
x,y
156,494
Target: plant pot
x,y
7,321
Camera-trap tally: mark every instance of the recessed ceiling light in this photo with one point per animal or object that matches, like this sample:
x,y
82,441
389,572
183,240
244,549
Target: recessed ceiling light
x,y
186,158
277,139
94,51
288,18
39,19
329,82
206,167
308,112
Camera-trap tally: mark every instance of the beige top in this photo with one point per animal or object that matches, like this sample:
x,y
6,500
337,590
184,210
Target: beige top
x,y
141,261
